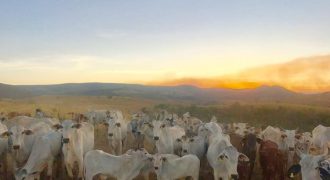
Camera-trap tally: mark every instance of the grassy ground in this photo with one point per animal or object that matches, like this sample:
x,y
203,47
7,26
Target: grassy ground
x,y
257,114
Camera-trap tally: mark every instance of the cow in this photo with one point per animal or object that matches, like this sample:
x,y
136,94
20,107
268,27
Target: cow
x,y
166,137
44,152
78,139
117,132
240,128
23,139
171,167
321,137
146,130
40,114
4,134
194,145
285,139
249,148
134,137
304,141
123,167
316,167
223,157
271,160
97,116
13,114
191,124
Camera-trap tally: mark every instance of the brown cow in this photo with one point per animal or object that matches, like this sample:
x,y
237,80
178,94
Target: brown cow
x,y
13,114
271,161
249,148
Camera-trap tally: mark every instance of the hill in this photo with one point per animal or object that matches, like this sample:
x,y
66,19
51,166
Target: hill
x,y
181,93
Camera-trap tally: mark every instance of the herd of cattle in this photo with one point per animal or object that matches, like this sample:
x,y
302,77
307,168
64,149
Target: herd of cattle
x,y
163,144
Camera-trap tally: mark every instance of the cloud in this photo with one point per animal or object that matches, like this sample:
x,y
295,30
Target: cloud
x,y
311,74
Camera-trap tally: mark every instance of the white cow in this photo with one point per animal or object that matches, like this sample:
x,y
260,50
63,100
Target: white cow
x,y
222,156
310,166
78,139
166,137
304,141
4,134
169,167
240,128
97,116
195,145
44,152
117,132
146,129
23,139
124,167
321,137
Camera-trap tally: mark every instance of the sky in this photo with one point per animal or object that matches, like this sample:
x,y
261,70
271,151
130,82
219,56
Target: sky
x,y
145,41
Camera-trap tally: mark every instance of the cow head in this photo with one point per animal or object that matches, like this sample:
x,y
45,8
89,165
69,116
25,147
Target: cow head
x,y
114,129
304,141
288,138
311,166
240,128
229,159
17,134
159,128
69,129
187,144
158,161
22,174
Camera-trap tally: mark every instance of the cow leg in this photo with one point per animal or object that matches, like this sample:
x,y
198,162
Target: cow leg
x,y
69,170
251,170
120,147
50,168
81,167
215,175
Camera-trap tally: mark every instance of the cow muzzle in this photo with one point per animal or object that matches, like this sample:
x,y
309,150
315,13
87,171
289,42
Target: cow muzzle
x,y
234,176
110,134
66,140
156,138
156,168
16,147
185,151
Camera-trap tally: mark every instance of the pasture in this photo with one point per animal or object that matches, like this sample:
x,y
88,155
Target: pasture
x,y
257,114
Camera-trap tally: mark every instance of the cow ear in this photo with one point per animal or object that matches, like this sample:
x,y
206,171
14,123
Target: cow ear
x,y
57,126
5,134
118,124
243,158
27,132
77,126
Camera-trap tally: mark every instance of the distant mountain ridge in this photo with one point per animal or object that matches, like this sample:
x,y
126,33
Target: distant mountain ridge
x,y
182,92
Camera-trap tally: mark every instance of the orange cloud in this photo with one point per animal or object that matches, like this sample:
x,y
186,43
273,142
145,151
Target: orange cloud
x,y
310,74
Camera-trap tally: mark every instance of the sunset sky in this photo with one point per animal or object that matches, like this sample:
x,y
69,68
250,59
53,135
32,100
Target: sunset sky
x,y
209,43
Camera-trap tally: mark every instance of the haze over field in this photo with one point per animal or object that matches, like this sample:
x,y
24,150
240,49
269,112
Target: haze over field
x,y
219,44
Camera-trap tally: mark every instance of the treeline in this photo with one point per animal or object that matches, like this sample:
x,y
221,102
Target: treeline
x,y
259,115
